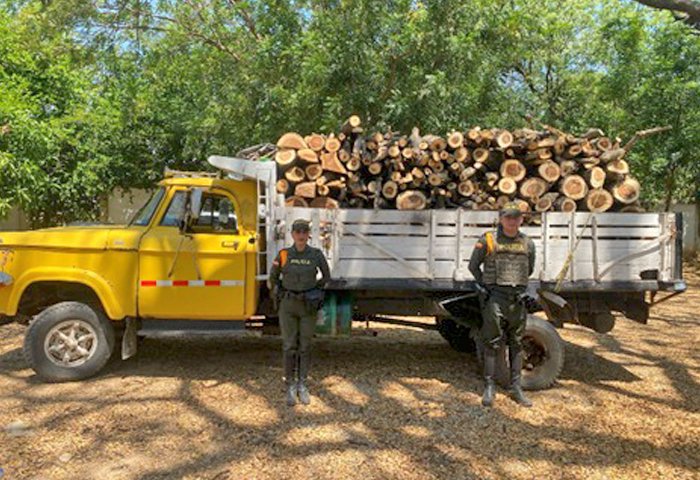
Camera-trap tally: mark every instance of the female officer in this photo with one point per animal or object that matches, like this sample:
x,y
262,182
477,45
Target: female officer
x,y
300,296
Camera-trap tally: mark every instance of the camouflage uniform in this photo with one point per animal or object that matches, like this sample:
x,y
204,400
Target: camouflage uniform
x,y
507,263
300,297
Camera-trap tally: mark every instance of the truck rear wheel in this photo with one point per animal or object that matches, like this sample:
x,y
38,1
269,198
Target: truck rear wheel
x,y
68,341
543,351
457,335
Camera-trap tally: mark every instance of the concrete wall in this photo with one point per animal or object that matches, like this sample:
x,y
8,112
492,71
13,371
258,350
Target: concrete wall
x,y
117,209
691,227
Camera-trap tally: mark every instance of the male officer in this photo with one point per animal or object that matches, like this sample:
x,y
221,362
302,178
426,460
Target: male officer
x,y
300,297
508,257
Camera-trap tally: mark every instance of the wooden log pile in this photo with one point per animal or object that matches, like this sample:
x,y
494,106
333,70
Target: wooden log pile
x,y
480,169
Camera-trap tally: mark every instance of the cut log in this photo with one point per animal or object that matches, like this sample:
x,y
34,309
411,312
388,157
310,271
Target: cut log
x,y
323,202
593,133
543,204
599,200
514,169
407,152
282,186
438,144
603,144
467,173
284,158
573,151
466,188
337,184
480,155
549,171
375,168
389,190
544,153
435,179
568,167
507,185
313,171
533,188
559,146
589,162
291,140
564,204
491,179
308,155
461,154
620,167
323,190
455,140
330,162
295,201
305,190
351,124
316,142
344,156
353,164
503,139
612,155
394,151
411,200
627,191
573,187
332,143
295,175
595,177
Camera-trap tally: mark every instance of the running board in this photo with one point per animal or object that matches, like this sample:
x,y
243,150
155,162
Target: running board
x,y
190,328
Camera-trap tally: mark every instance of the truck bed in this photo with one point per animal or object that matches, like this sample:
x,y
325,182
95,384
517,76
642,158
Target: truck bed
x,y
431,249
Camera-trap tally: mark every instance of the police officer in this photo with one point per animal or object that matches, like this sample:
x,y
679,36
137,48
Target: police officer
x,y
300,296
508,258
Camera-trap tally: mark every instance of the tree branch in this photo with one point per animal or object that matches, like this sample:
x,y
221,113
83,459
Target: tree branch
x,y
688,11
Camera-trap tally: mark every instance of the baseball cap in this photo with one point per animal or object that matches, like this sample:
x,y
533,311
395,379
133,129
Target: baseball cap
x,y
300,225
511,209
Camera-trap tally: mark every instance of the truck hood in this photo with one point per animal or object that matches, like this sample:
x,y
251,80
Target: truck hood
x,y
98,237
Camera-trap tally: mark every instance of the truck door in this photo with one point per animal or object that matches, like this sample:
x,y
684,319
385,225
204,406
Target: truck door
x,y
198,275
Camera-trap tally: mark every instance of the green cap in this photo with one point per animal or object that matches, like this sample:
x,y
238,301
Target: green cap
x,y
300,225
511,209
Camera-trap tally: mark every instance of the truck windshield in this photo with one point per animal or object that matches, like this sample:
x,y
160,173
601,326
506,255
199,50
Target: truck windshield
x,y
145,213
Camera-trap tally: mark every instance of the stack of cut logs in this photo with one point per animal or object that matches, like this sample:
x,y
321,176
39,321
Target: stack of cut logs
x,y
478,169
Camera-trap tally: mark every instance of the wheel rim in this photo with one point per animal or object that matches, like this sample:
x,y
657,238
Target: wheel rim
x,y
534,354
71,343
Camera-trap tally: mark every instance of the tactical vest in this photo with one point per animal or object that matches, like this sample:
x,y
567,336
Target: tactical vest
x,y
298,270
506,263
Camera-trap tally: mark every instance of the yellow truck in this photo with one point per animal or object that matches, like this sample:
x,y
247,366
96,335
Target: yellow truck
x,y
195,258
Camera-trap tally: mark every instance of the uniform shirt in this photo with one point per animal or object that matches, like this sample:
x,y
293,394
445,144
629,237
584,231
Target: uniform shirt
x,y
299,273
479,253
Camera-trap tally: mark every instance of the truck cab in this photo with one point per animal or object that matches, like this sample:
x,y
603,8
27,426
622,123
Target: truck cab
x,y
188,255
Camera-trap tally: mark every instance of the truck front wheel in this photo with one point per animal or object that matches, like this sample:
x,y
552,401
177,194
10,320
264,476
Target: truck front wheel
x,y
543,351
68,341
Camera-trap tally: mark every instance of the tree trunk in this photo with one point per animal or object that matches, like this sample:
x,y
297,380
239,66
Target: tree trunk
x,y
316,142
295,175
549,171
595,177
507,185
284,158
514,169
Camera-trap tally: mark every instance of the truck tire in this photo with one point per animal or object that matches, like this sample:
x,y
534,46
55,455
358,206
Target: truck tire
x,y
457,335
543,351
68,341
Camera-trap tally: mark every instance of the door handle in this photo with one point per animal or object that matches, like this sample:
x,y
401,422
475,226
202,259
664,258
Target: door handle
x,y
232,244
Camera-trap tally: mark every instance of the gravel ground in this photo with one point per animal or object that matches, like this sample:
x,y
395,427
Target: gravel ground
x,y
401,405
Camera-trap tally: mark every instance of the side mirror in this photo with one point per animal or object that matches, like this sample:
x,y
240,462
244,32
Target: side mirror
x,y
190,212
195,203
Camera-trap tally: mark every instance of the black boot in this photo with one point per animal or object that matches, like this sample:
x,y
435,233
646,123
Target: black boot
x,y
516,367
489,374
290,365
302,389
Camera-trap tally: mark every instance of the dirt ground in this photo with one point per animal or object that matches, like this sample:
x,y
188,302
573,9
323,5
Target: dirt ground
x,y
399,405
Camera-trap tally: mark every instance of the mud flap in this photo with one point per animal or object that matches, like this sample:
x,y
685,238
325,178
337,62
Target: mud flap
x,y
129,340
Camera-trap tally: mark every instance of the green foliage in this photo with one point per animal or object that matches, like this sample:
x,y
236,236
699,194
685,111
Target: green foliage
x,y
99,95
